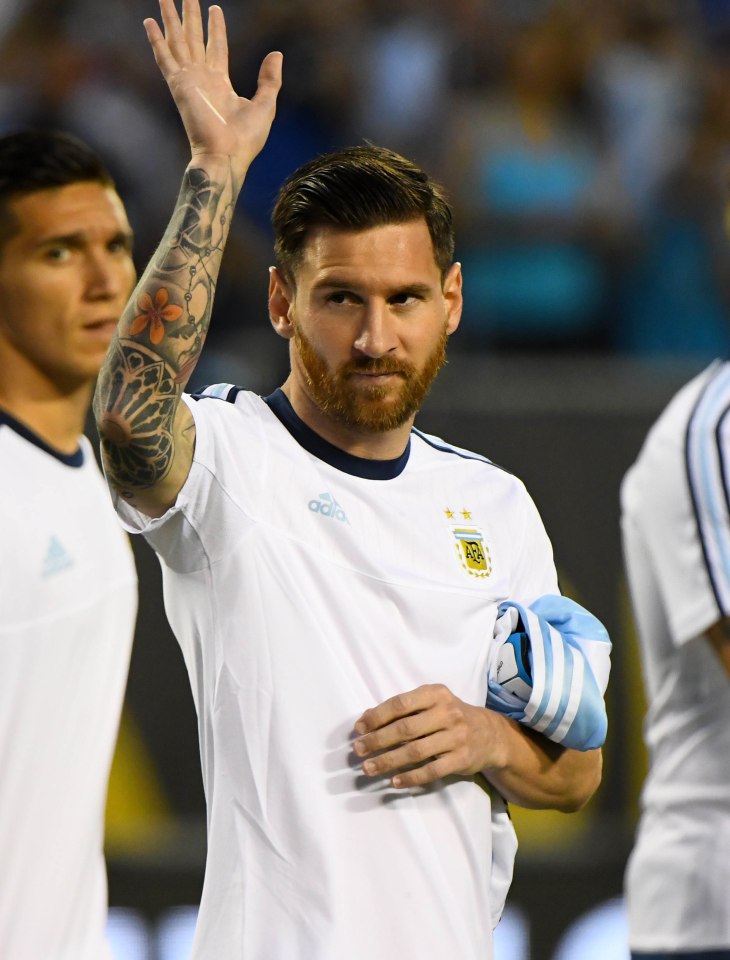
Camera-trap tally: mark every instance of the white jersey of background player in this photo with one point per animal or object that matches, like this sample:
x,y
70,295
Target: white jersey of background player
x,y
676,532
68,587
333,578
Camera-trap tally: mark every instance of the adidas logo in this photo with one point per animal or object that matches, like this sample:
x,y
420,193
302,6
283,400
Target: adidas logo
x,y
327,506
56,559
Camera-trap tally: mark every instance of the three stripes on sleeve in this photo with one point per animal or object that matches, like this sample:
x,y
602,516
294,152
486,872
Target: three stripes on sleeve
x,y
569,663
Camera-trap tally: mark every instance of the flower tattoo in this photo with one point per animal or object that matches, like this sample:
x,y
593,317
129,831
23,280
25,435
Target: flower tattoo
x,y
155,313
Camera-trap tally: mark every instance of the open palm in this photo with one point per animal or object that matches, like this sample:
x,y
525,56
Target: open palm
x,y
217,121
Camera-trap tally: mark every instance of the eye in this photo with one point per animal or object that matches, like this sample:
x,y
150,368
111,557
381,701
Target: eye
x,y
119,245
405,299
341,297
57,254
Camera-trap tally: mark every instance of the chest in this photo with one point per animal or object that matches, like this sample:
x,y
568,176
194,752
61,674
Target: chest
x,y
432,529
61,544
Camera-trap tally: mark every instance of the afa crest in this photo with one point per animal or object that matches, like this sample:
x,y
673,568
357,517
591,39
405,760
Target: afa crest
x,y
473,551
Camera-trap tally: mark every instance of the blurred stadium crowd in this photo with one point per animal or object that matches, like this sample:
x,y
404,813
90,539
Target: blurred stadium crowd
x,y
584,144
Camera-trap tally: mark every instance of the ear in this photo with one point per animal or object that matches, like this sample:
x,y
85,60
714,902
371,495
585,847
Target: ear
x,y
452,294
280,304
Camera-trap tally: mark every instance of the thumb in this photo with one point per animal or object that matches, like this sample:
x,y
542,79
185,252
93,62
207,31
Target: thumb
x,y
269,79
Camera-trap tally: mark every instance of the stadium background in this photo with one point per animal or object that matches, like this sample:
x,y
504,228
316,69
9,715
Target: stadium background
x,y
585,146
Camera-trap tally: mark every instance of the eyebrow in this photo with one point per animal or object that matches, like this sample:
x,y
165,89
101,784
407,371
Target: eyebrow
x,y
337,283
79,238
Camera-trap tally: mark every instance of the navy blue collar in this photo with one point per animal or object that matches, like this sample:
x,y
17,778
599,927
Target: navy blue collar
x,y
75,459
280,406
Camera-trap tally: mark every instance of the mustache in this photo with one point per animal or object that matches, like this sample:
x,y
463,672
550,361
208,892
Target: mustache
x,y
376,365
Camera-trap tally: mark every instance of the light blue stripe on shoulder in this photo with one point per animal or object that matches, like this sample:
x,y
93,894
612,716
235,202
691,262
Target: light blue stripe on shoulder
x,y
708,478
218,390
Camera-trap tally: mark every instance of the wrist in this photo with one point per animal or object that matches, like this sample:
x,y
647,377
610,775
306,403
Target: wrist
x,y
220,167
497,731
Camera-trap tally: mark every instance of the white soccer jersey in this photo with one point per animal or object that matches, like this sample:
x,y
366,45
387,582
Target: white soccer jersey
x,y
305,585
67,608
676,529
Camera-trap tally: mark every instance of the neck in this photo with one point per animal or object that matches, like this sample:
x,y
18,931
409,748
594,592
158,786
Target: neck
x,y
55,413
359,443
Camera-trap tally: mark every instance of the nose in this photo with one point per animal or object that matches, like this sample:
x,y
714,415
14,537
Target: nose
x,y
377,334
104,275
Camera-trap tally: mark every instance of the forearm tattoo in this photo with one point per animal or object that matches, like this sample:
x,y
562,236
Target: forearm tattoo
x,y
160,337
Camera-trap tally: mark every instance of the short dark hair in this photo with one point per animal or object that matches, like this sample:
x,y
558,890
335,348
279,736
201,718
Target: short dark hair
x,y
357,188
32,160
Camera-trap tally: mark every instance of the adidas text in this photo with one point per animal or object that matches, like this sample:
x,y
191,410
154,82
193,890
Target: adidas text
x,y
327,506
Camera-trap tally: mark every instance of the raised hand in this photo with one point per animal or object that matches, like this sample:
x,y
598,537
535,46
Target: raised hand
x,y
147,434
218,122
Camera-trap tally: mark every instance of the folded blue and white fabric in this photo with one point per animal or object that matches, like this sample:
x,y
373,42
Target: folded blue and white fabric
x,y
550,669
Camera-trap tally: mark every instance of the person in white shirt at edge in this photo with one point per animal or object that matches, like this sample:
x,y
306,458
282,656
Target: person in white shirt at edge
x,y
68,592
676,537
338,581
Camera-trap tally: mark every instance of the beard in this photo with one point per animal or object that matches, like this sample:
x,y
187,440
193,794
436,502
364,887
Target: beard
x,y
374,408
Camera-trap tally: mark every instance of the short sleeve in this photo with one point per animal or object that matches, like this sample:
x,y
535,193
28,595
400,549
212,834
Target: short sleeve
x,y
534,573
205,520
675,509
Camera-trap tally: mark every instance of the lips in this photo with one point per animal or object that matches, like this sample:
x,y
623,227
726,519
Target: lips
x,y
102,329
374,372
368,379
101,323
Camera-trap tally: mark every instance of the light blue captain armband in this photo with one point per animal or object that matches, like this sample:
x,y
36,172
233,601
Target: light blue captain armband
x,y
549,670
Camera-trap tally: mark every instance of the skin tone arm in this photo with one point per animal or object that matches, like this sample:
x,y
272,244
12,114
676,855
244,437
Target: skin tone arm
x,y
719,637
429,733
147,434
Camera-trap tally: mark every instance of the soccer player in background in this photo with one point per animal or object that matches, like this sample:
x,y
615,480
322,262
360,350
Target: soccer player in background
x,y
676,536
338,581
68,590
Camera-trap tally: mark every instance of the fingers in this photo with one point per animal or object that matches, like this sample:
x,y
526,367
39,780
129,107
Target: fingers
x,y
174,34
412,754
217,49
269,81
192,27
421,736
184,40
403,729
163,58
427,773
402,705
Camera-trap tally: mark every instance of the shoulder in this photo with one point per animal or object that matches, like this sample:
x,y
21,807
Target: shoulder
x,y
232,426
227,392
690,419
697,405
473,475
223,402
707,399
685,444
435,449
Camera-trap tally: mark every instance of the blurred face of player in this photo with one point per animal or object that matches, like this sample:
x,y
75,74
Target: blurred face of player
x,y
368,320
65,276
